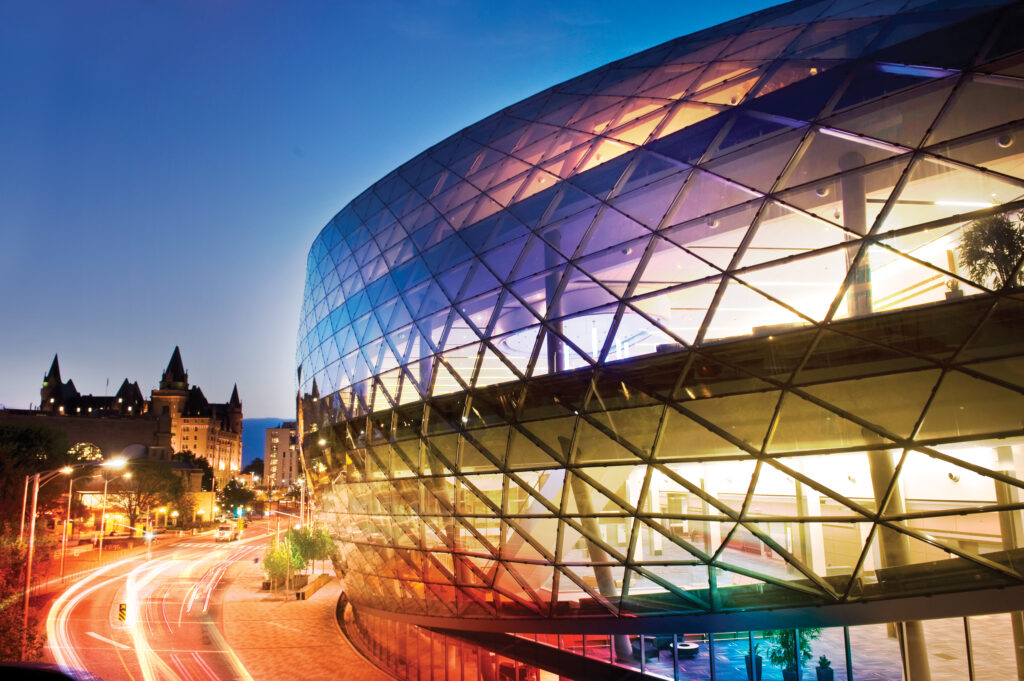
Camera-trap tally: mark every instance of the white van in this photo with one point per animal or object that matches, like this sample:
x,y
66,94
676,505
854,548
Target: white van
x,y
226,533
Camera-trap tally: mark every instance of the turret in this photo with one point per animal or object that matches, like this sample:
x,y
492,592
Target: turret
x,y
235,411
175,377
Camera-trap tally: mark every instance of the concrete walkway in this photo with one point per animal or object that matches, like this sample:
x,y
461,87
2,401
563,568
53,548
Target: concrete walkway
x,y
281,638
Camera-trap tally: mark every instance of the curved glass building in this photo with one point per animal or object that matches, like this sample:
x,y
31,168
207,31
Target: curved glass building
x,y
726,336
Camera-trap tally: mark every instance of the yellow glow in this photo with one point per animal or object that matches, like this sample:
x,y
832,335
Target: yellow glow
x,y
117,462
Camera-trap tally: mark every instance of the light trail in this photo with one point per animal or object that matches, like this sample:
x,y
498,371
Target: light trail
x,y
148,589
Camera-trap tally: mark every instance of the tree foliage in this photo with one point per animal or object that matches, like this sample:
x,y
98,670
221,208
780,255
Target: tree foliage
x,y
12,575
234,494
25,450
991,247
152,483
314,544
282,558
199,462
255,466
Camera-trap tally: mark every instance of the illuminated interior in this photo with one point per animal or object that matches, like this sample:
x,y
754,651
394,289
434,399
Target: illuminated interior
x,y
699,332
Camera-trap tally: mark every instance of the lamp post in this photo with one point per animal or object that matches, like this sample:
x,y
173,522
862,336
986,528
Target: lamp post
x,y
116,463
40,479
67,521
24,502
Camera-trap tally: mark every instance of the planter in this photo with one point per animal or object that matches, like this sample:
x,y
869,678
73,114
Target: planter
x,y
789,675
753,671
824,673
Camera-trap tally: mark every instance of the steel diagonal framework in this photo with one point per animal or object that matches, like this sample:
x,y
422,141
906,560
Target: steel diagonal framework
x,y
693,333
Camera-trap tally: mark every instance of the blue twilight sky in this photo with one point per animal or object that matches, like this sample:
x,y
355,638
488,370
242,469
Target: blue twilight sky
x,y
165,164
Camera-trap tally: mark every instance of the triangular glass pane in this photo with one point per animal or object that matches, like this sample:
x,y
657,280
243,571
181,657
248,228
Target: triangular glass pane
x,y
686,114
964,405
637,132
783,232
902,119
937,189
897,282
604,150
636,336
1010,370
516,546
717,237
749,551
980,103
594,446
771,157
584,498
536,257
684,440
682,311
803,425
729,93
546,484
649,204
565,236
445,382
808,285
943,248
744,417
493,371
636,427
612,228
875,80
893,402
524,453
844,480
997,151
743,311
579,293
556,434
670,265
826,198
830,151
556,355
705,193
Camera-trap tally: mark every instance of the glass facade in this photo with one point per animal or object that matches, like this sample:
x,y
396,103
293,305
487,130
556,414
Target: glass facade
x,y
726,329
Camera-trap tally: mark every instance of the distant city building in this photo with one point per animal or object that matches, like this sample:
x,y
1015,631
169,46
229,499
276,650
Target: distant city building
x,y
176,418
281,456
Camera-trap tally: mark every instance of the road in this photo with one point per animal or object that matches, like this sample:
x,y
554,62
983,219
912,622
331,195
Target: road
x,y
172,624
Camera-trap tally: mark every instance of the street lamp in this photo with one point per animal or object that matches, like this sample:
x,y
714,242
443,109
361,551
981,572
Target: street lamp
x,y
40,479
116,463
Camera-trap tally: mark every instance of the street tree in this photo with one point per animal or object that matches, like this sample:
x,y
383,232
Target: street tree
x,y
25,450
234,494
198,462
152,483
255,466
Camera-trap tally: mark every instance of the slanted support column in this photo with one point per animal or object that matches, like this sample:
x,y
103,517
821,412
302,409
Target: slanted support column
x,y
895,551
1012,534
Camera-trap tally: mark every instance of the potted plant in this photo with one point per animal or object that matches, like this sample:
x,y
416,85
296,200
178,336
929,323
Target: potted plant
x,y
782,649
990,248
824,669
953,290
754,665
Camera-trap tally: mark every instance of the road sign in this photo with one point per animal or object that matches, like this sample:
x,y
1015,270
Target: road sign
x,y
122,611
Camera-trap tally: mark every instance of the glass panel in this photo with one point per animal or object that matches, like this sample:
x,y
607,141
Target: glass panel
x,y
981,102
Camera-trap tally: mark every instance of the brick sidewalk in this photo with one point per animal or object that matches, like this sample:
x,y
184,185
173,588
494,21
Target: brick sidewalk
x,y
278,638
